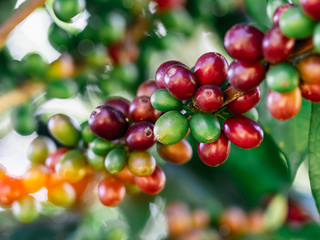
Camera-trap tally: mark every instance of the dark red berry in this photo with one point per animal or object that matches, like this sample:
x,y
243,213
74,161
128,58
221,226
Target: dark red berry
x,y
152,184
279,11
215,153
245,102
142,110
275,46
147,88
120,104
180,82
209,98
140,137
245,76
243,42
169,5
107,122
211,68
161,71
311,8
243,132
310,92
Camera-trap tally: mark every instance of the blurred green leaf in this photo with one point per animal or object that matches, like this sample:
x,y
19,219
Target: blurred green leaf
x,y
6,9
258,11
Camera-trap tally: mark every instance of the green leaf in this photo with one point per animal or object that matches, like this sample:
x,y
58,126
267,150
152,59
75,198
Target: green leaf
x,y
258,11
314,153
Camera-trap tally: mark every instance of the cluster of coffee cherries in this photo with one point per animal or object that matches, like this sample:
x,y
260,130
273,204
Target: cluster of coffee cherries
x,y
194,99
292,73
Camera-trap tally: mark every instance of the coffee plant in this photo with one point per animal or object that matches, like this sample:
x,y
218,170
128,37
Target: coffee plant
x,y
200,120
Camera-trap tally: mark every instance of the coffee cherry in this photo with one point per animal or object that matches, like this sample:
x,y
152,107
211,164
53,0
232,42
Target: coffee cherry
x,y
243,42
211,68
120,104
284,106
34,178
107,122
152,184
178,153
94,160
310,92
243,132
162,69
11,189
215,153
34,65
142,110
141,163
209,98
140,137
245,76
54,158
63,89
171,127
311,8
116,160
23,120
282,78
101,147
72,165
58,37
65,10
62,194
235,220
316,38
64,129
40,148
86,133
279,11
169,5
253,114
163,101
309,68
180,82
245,102
111,192
126,176
275,46
294,24
147,88
26,209
205,127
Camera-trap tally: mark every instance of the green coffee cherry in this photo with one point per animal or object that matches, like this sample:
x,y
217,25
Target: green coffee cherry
x,y
65,10
62,89
86,133
253,114
294,24
171,127
116,160
34,65
39,149
205,127
272,5
64,130
101,147
94,160
26,209
23,120
282,78
59,38
163,101
316,38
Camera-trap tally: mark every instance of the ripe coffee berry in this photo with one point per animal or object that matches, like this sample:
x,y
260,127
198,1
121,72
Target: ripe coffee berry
x,y
152,184
211,68
140,137
279,11
243,131
311,8
147,88
142,110
141,163
161,71
120,104
245,102
111,192
215,153
178,153
310,92
309,69
209,98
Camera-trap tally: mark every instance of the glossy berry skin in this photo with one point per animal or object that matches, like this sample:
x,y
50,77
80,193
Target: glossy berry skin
x,y
54,158
245,102
311,8
316,38
101,147
279,11
169,5
86,133
126,176
163,101
142,110
311,92
282,78
245,76
180,82
204,127
116,160
275,46
140,137
209,98
120,104
178,153
215,153
161,71
94,160
65,10
284,106
211,68
309,69
152,184
147,88
34,178
295,24
39,149
107,122
11,189
62,194
141,163
243,132
243,42
111,192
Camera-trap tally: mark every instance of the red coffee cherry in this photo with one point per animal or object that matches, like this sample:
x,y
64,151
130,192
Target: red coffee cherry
x,y
209,98
211,68
162,69
120,104
215,153
142,110
111,192
311,8
140,137
54,158
147,88
309,69
311,92
243,132
169,5
152,184
279,11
